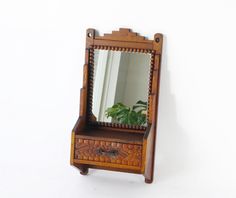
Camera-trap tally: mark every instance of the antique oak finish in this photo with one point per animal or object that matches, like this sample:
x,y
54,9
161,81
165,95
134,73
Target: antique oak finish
x,y
112,146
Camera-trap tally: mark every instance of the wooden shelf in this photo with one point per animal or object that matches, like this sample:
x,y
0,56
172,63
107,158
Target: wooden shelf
x,y
125,137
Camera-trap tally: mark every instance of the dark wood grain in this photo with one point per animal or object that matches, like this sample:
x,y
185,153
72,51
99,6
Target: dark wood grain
x,y
136,143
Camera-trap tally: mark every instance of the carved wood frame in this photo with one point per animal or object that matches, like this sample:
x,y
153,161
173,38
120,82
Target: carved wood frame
x,y
118,40
127,41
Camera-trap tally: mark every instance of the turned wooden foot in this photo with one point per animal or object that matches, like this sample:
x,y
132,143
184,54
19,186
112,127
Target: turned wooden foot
x,y
84,171
148,181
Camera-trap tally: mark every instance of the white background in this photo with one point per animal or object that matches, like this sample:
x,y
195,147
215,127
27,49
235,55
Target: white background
x,y
41,58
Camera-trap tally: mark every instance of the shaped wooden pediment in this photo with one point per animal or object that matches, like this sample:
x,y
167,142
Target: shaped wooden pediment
x,y
124,34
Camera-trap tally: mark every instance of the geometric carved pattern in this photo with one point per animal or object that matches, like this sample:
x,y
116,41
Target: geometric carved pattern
x,y
108,152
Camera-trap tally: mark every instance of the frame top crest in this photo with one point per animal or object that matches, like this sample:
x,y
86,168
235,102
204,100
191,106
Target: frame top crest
x,y
124,37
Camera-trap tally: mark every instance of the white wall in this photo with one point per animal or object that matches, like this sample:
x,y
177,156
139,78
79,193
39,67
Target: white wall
x,y
133,78
137,82
41,60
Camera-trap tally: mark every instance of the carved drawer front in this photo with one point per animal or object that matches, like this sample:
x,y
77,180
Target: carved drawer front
x,y
108,153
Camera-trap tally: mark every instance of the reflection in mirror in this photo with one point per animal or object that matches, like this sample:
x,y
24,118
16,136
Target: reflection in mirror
x,y
121,81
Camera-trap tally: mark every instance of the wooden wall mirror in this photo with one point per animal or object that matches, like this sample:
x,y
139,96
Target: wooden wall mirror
x,y
116,129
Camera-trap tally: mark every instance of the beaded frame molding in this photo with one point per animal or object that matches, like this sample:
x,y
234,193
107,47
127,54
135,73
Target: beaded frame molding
x,y
126,41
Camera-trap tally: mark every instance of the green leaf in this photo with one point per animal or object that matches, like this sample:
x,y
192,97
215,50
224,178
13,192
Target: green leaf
x,y
125,115
141,102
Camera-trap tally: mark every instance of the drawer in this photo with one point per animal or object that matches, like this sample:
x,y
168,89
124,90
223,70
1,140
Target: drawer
x,y
108,153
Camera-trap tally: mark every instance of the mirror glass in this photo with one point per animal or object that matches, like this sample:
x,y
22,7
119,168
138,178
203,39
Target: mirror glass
x,y
120,91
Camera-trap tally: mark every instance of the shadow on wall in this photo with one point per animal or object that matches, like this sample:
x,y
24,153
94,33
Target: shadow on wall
x,y
172,146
